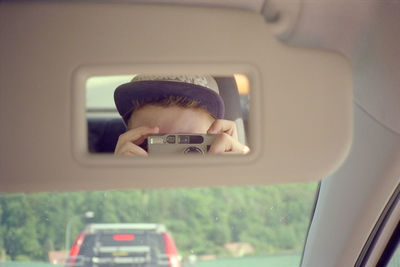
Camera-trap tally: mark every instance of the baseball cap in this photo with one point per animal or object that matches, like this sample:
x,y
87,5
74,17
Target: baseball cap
x,y
147,88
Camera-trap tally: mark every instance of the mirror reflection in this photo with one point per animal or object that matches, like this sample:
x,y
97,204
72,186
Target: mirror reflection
x,y
150,115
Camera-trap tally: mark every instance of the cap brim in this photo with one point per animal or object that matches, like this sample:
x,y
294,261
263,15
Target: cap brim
x,y
127,94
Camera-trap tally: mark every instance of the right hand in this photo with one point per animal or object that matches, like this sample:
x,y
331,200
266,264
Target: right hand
x,y
128,142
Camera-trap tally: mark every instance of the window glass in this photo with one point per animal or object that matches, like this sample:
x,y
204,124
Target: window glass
x,y
224,226
395,260
100,93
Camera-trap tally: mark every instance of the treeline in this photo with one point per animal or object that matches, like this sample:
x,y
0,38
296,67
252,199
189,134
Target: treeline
x,y
271,218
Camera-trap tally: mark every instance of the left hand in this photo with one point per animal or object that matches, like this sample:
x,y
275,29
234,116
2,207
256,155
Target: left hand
x,y
227,141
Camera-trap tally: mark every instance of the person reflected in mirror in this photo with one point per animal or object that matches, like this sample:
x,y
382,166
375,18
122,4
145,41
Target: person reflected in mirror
x,y
185,104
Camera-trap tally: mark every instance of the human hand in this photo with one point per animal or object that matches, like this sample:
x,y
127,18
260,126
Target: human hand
x,y
128,142
227,141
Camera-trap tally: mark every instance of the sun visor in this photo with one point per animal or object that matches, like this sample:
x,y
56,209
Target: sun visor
x,y
298,118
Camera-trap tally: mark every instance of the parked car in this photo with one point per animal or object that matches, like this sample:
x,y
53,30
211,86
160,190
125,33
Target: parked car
x,y
123,245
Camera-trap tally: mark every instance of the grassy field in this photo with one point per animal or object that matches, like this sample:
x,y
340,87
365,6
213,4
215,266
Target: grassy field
x,y
283,260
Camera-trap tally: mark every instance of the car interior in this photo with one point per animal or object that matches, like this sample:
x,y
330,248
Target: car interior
x,y
323,107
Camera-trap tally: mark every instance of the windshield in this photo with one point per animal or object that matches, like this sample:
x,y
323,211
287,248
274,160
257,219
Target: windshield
x,y
225,226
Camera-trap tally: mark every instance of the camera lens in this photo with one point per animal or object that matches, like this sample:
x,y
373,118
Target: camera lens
x,y
171,139
193,150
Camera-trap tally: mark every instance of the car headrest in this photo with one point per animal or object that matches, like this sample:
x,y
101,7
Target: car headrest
x,y
103,134
228,90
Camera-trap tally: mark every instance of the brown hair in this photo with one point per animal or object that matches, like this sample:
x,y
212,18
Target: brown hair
x,y
179,101
168,101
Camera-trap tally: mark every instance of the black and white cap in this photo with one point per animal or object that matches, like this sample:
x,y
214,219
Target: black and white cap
x,y
203,89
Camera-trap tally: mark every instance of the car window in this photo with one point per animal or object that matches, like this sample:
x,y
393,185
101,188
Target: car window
x,y
395,260
100,94
232,226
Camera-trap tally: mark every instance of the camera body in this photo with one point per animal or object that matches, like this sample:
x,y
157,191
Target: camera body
x,y
183,144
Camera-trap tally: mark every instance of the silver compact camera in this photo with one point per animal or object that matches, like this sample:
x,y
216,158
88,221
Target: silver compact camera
x,y
167,144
